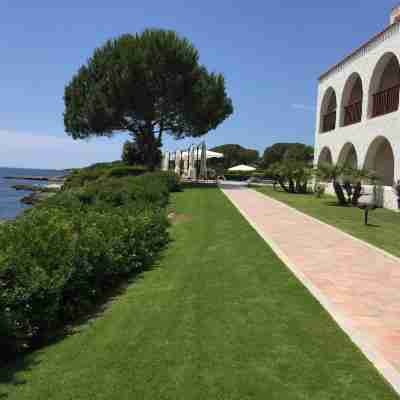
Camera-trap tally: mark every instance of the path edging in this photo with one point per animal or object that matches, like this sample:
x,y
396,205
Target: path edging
x,y
343,233
384,367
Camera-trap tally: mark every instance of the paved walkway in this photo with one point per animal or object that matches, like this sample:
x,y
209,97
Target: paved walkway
x,y
358,284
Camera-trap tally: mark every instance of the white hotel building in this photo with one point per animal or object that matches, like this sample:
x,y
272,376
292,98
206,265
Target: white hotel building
x,y
358,116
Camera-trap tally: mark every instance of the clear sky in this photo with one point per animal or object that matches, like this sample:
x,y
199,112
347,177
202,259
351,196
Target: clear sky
x,y
271,53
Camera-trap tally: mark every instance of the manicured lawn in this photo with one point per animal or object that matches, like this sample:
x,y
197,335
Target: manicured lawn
x,y
383,231
220,318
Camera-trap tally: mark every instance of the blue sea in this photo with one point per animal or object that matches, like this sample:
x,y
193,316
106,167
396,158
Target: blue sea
x,y
10,204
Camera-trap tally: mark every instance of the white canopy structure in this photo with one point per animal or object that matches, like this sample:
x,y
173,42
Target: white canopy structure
x,y
210,154
191,163
244,168
178,162
214,154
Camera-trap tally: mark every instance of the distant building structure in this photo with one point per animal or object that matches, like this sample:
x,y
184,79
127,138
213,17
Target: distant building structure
x,y
358,118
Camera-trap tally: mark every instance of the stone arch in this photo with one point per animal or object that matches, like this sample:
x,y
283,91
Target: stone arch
x,y
325,156
352,100
348,156
328,111
380,159
383,94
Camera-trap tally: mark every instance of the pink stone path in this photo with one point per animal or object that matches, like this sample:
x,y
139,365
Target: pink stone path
x,y
358,284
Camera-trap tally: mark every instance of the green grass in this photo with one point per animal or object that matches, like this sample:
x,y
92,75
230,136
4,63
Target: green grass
x,y
384,225
220,318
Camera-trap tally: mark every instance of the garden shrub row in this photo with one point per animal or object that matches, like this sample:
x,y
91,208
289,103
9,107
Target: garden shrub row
x,y
58,258
244,176
238,176
81,177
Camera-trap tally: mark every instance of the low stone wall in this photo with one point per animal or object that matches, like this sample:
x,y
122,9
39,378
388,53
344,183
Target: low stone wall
x,y
387,198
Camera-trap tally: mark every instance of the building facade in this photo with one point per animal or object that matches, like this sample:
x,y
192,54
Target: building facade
x,y
358,116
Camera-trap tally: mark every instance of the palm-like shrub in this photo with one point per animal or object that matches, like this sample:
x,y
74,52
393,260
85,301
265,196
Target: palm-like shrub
x,y
293,176
347,181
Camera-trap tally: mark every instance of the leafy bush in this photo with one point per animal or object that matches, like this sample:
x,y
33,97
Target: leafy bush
x,y
84,176
58,258
172,180
292,176
347,181
238,176
319,190
81,177
127,171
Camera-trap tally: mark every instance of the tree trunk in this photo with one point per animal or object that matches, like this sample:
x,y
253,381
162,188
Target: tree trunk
x,y
366,212
291,186
283,186
339,193
149,147
356,194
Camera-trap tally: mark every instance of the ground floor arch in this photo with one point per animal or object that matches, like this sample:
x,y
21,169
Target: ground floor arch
x,y
325,156
348,156
380,159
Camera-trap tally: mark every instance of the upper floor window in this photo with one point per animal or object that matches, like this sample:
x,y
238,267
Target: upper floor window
x,y
384,87
328,111
352,99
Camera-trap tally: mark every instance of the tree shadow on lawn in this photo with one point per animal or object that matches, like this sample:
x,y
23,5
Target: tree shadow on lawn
x,y
27,361
373,225
8,371
355,208
197,185
336,204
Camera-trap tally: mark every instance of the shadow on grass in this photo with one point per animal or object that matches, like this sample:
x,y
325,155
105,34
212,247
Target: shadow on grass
x,y
25,362
198,185
336,204
8,371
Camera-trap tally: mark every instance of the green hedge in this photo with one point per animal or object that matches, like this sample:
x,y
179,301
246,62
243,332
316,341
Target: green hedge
x,y
238,176
127,171
84,176
57,259
244,176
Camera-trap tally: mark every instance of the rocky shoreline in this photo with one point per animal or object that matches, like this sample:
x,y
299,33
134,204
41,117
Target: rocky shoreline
x,y
58,179
36,197
39,193
33,188
21,187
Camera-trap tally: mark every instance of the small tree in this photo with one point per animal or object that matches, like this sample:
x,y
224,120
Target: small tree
x,y
234,154
292,176
280,152
146,84
332,172
396,189
347,181
131,154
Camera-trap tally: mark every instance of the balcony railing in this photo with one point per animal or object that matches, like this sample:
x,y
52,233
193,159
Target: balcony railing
x,y
329,122
352,113
386,101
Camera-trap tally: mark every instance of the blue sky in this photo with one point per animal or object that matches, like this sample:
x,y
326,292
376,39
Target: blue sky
x,y
271,53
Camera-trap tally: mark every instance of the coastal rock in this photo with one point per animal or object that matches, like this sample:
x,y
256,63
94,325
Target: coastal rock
x,y
59,179
32,188
36,197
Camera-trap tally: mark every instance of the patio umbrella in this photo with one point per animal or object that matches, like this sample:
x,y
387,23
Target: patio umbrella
x,y
165,161
214,154
192,171
244,168
203,161
177,163
210,154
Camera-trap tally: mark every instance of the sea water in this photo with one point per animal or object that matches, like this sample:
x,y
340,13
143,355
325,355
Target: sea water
x,y
10,199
